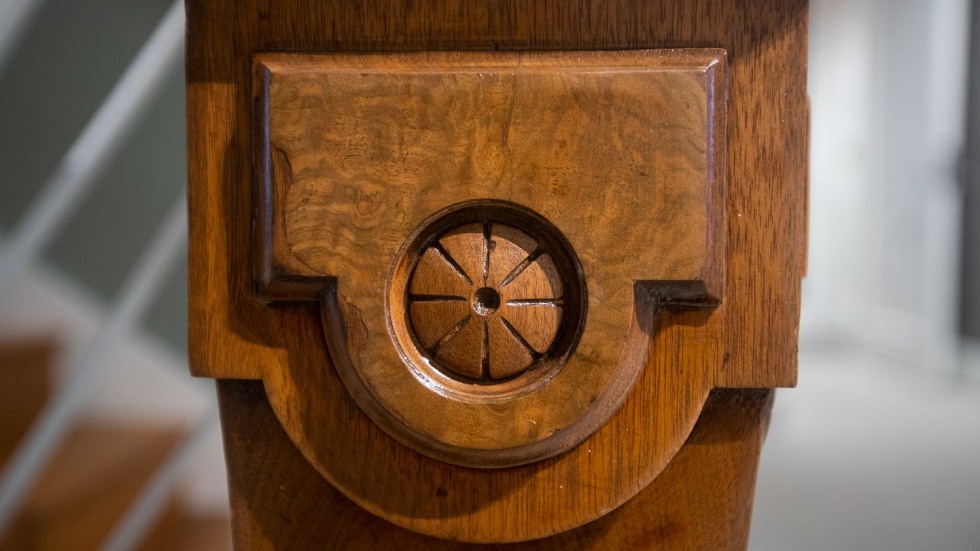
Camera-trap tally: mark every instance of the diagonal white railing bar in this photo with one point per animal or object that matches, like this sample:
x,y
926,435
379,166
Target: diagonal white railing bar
x,y
15,16
141,515
141,286
95,146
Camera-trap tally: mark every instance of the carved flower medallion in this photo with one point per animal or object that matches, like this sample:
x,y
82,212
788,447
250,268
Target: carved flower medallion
x,y
485,302
491,299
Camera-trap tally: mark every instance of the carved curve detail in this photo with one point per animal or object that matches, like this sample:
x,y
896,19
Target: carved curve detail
x,y
494,324
500,403
487,301
314,244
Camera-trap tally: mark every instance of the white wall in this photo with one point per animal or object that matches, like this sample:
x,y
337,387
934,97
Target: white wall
x,y
887,84
872,452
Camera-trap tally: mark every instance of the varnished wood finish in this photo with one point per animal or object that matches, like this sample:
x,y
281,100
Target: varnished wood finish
x,y
701,501
622,151
512,306
749,340
617,156
486,303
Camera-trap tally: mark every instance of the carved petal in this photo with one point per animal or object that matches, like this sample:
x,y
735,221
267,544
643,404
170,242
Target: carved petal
x,y
434,275
467,247
539,280
508,248
462,353
535,323
508,356
433,320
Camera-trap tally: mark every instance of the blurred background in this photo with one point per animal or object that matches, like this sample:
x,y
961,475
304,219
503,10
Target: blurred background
x,y
105,439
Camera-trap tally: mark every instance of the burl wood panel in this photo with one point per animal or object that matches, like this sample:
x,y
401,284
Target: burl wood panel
x,y
623,152
751,335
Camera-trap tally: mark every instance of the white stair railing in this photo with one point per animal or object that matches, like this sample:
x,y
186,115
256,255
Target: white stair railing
x,y
15,15
136,523
137,293
61,194
96,145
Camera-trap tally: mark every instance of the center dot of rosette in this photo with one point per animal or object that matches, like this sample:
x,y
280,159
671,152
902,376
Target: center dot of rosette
x,y
486,300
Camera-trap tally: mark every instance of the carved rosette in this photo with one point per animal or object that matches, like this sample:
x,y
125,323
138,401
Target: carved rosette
x,y
485,302
489,308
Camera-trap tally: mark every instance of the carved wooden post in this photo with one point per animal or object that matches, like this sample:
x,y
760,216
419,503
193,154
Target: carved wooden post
x,y
496,273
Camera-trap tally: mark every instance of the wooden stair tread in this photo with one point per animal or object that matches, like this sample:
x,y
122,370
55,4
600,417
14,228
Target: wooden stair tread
x,y
94,476
25,367
91,480
178,529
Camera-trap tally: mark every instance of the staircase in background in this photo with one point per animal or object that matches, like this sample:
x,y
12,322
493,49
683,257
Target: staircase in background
x,y
101,430
94,476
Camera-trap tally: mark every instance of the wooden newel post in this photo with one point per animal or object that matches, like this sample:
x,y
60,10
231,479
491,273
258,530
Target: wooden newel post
x,y
520,272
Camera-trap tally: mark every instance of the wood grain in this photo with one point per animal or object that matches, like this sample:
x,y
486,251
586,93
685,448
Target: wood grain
x,y
617,149
749,340
500,383
610,156
701,501
484,303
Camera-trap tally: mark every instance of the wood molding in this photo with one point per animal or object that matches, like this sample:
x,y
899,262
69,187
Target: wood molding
x,y
702,500
365,160
747,340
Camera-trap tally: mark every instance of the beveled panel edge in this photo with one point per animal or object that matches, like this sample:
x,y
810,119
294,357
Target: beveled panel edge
x,y
280,277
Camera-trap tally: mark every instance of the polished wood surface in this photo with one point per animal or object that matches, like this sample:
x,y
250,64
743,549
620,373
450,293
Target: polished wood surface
x,y
513,304
612,162
701,501
748,340
622,151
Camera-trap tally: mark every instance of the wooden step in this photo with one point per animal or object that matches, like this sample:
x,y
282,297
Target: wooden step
x,y
88,485
94,476
25,368
180,530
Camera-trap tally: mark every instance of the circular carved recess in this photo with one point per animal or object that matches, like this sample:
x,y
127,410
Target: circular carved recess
x,y
494,301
